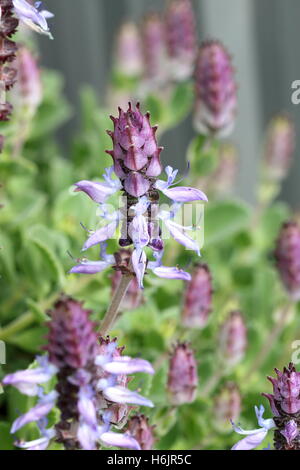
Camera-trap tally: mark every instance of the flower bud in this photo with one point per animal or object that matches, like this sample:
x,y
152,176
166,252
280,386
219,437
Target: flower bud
x,y
141,430
129,53
279,147
287,256
183,375
233,339
29,87
285,404
227,406
181,38
198,298
136,154
216,91
154,47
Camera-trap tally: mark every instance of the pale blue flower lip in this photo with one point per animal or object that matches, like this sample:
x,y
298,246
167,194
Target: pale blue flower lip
x,y
33,17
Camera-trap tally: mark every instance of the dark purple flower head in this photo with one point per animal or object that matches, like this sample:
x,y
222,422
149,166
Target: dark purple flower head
x,y
141,430
216,90
287,256
198,298
137,165
233,339
279,147
183,375
136,154
181,38
286,392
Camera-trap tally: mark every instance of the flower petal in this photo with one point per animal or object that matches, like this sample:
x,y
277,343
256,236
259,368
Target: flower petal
x,y
89,267
38,444
171,273
139,260
178,234
122,395
101,235
35,414
98,192
127,365
119,440
27,381
252,441
185,194
87,436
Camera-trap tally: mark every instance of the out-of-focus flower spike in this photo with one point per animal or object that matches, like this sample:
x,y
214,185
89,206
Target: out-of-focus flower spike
x,y
154,49
183,376
233,339
216,91
279,147
227,406
141,430
181,38
128,60
198,298
287,256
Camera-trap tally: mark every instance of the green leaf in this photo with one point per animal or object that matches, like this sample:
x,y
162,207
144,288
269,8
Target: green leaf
x,y
6,440
31,340
203,155
224,219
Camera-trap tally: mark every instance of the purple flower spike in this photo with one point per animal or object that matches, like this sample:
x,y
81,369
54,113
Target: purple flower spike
x,y
181,38
32,17
141,430
233,339
216,91
183,376
198,298
287,255
155,50
279,147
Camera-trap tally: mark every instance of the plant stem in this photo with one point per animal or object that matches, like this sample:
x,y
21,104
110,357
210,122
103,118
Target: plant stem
x,y
113,310
274,334
17,325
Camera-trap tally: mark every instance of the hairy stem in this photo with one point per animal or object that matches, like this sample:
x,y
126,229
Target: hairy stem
x,y
113,310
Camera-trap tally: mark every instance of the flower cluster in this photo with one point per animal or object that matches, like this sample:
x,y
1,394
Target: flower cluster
x,y
136,158
287,256
91,385
181,38
33,16
279,147
183,375
216,91
198,298
233,339
285,406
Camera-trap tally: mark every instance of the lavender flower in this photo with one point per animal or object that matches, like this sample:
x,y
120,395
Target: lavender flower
x,y
216,91
183,375
279,147
285,406
233,339
198,298
33,16
91,391
181,38
287,256
137,165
